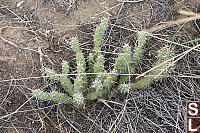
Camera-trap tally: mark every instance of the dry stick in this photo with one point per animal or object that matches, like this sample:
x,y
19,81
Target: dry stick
x,y
101,51
9,42
49,119
182,54
123,111
171,64
96,119
73,25
42,123
171,23
149,34
166,76
101,128
103,7
16,111
16,46
187,13
105,11
178,4
68,26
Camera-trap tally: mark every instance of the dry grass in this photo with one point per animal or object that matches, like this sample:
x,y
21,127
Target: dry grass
x,y
35,35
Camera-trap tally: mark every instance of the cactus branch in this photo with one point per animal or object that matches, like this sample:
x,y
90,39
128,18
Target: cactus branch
x,y
54,96
163,55
138,50
51,74
126,61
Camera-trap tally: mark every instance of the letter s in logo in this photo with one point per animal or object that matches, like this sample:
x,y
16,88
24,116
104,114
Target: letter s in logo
x,y
193,107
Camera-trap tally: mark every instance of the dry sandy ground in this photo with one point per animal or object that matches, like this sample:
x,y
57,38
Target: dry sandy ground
x,y
35,34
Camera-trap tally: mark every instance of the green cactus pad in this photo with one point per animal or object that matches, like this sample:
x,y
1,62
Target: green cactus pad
x,y
78,84
75,44
60,97
65,67
99,65
126,60
51,74
54,96
138,50
80,60
124,88
67,84
91,60
78,99
163,55
122,63
41,95
98,33
110,80
98,37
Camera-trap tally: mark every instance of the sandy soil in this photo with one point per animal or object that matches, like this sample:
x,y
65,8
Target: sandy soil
x,y
35,34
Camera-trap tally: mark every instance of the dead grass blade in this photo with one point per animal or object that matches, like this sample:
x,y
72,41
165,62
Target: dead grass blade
x,y
179,55
171,23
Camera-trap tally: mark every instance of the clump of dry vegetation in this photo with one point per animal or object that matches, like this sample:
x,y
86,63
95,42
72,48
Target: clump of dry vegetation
x,y
35,34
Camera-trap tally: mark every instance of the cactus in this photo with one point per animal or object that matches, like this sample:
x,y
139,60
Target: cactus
x,y
163,55
96,63
65,67
99,34
98,39
51,74
123,64
102,81
138,50
54,96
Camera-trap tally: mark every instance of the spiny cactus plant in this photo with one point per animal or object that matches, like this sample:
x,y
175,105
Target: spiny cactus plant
x,y
164,54
102,81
